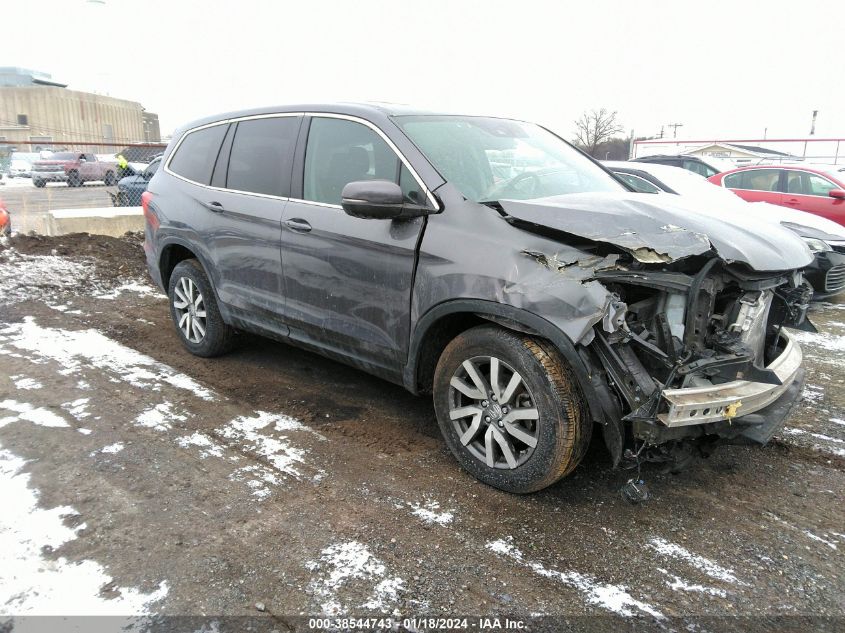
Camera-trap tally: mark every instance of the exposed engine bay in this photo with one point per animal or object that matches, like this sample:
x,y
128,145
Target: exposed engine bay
x,y
699,342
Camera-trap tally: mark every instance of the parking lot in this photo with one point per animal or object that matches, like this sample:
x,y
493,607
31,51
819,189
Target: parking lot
x,y
271,482
30,204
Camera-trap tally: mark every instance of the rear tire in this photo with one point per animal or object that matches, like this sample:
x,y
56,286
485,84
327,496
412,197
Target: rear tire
x,y
193,308
73,179
109,180
545,408
38,182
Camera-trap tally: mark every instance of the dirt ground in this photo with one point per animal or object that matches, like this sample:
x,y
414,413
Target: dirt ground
x,y
138,479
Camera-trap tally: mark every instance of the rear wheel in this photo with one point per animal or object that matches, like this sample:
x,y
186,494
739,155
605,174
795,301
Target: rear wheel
x,y
194,311
510,409
38,182
73,179
109,180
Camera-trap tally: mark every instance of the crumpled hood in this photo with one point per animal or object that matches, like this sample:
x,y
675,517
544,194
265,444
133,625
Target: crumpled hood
x,y
654,230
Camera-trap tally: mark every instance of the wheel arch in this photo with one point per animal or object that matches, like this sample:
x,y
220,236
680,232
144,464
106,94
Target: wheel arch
x,y
174,251
442,323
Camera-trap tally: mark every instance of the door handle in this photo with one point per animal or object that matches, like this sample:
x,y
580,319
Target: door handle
x,y
298,224
792,201
216,207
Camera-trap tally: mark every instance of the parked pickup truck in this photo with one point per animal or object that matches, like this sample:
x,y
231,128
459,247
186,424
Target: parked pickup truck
x,y
73,168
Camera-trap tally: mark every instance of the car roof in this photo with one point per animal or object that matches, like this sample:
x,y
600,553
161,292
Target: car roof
x,y
371,111
364,110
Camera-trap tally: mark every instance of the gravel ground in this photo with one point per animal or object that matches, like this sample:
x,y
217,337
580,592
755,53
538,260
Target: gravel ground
x,y
274,484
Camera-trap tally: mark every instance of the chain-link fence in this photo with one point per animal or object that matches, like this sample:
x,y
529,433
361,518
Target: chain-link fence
x,y
39,179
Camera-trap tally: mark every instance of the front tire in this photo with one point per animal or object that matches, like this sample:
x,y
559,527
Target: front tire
x,y
510,409
73,179
193,308
38,182
109,180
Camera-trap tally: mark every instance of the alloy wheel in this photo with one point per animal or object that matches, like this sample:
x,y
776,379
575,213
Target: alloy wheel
x,y
493,412
190,309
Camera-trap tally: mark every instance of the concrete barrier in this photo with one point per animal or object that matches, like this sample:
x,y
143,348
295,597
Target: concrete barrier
x,y
114,221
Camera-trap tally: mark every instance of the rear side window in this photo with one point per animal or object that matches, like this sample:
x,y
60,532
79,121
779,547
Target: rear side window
x,y
754,180
261,155
195,156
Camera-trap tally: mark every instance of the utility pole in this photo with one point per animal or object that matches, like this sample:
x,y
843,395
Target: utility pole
x,y
675,127
813,126
661,131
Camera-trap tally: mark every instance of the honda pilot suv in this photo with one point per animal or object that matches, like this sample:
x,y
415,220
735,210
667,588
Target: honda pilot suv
x,y
489,263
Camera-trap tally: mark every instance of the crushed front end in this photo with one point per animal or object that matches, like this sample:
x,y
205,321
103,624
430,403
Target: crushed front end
x,y
695,353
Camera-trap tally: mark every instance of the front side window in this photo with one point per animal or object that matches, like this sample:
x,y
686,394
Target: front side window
x,y
819,186
341,151
490,159
195,156
261,155
753,179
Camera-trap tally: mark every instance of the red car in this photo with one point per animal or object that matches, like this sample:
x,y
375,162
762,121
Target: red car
x,y
818,189
5,219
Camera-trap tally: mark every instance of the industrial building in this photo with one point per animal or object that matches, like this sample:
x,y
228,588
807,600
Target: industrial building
x,y
37,112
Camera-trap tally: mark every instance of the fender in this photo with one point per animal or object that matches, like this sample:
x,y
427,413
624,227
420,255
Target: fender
x,y
508,316
196,249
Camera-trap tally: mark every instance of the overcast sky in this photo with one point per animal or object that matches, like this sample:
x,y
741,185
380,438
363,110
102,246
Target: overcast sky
x,y
723,69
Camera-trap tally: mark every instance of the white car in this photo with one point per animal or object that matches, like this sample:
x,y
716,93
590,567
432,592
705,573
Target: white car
x,y
825,238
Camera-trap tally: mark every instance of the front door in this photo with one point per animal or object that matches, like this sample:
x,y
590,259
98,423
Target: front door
x,y
807,191
348,280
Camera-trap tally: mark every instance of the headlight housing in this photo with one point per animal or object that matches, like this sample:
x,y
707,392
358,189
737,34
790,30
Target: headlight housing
x,y
816,245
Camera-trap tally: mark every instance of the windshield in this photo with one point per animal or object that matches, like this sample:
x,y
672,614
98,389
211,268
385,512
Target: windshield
x,y
493,159
64,156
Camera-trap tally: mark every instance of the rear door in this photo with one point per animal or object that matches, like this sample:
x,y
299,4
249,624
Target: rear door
x,y
808,191
756,185
348,280
245,202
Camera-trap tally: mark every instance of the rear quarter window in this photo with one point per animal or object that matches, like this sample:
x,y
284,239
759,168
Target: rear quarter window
x,y
194,158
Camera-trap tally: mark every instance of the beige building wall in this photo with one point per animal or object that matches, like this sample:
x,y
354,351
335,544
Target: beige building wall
x,y
68,116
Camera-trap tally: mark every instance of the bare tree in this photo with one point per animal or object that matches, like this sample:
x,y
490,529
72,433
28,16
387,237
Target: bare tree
x,y
595,128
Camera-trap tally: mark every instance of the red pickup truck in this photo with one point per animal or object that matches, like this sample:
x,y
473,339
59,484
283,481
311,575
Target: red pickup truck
x,y
74,168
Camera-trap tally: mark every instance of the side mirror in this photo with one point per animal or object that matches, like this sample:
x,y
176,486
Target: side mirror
x,y
837,193
378,200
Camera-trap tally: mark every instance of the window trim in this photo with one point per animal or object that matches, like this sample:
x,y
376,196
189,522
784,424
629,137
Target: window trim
x,y
329,115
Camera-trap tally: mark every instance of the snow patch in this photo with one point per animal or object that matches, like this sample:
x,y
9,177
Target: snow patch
x,y
78,408
110,449
677,584
41,277
429,513
705,565
205,443
159,417
22,382
35,585
822,341
137,287
820,539
77,349
346,563
29,413
614,598
281,455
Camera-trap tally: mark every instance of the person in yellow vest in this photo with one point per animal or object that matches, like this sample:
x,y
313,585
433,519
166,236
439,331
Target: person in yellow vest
x,y
122,167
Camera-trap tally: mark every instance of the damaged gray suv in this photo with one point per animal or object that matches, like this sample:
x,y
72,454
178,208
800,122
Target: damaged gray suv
x,y
489,263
